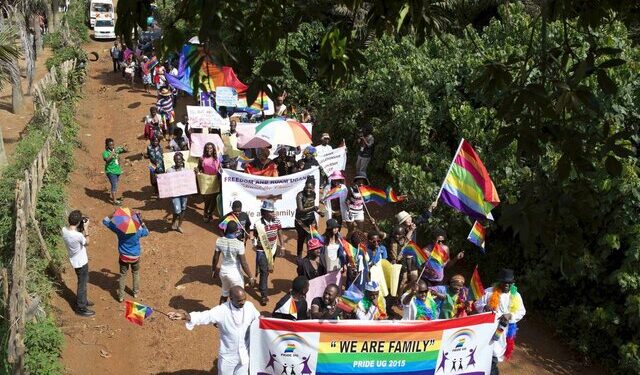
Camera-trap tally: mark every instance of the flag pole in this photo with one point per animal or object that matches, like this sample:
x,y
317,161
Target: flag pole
x,y
449,170
367,210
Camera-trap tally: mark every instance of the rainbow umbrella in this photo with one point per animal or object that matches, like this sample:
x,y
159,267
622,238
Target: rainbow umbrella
x,y
126,220
277,131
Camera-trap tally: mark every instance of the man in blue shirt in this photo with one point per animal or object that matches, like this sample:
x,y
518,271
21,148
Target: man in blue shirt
x,y
375,249
129,254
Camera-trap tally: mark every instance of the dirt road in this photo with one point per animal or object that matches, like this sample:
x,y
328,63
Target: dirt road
x,y
175,273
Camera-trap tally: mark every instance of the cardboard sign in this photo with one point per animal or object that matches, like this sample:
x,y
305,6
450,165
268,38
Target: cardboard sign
x,y
199,140
204,117
177,184
334,160
226,96
208,183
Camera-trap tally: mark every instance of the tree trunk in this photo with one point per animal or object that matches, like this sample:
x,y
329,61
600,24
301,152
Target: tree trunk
x,y
27,47
17,101
3,155
35,24
52,16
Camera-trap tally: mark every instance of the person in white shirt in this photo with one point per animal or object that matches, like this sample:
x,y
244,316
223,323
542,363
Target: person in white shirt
x,y
75,238
233,319
324,146
368,308
232,250
504,300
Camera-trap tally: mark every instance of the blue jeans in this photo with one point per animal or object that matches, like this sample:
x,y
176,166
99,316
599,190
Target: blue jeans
x,y
113,180
179,204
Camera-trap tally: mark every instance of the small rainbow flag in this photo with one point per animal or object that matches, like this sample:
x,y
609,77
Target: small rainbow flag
x,y
290,348
475,286
314,234
136,312
338,191
223,224
412,249
350,298
371,194
393,197
438,258
476,236
350,250
289,308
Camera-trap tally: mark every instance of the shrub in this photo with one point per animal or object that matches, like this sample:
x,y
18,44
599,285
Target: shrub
x,y
44,342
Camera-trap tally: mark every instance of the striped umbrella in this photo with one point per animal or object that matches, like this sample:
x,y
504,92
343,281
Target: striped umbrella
x,y
126,220
277,131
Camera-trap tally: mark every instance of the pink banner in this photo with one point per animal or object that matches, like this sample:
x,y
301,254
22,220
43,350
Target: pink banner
x,y
198,140
176,184
317,285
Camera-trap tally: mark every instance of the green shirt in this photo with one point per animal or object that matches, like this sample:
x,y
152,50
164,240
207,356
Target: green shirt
x,y
112,166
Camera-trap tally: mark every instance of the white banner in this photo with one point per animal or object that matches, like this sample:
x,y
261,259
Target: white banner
x,y
176,184
334,160
322,347
252,190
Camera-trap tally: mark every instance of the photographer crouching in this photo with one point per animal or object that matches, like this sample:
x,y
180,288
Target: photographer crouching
x,y
76,239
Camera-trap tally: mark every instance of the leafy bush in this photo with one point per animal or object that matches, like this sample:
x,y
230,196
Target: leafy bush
x,y
54,40
569,183
44,341
65,53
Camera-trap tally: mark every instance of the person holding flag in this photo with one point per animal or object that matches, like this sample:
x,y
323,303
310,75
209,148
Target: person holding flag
x,y
418,303
504,300
453,299
439,258
333,255
293,306
305,214
242,218
234,319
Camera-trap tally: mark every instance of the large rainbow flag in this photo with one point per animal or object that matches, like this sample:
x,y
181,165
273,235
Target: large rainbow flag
x,y
467,186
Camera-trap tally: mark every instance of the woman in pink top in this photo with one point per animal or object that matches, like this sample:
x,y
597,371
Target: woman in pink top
x,y
209,164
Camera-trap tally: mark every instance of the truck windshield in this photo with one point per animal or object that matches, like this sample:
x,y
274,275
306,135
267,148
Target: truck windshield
x,y
104,23
102,7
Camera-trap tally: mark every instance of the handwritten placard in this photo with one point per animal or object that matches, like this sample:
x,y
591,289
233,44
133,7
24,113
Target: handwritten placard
x,y
176,184
199,140
226,96
204,117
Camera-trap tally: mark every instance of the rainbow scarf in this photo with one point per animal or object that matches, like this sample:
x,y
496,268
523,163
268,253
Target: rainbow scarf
x,y
468,187
380,314
412,249
425,310
515,302
223,224
375,195
453,305
393,197
136,312
314,234
476,236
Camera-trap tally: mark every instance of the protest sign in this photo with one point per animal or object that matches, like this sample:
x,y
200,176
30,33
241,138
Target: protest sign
x,y
208,183
247,131
176,184
317,285
198,140
252,190
190,162
334,160
226,96
320,347
203,117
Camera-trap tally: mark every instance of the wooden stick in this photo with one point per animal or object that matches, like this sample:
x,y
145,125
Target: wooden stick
x,y
449,170
367,211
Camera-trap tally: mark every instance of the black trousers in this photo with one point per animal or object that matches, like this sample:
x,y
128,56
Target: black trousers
x,y
303,236
494,366
263,268
83,279
115,64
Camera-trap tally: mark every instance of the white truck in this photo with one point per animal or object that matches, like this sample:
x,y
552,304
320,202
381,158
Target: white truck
x,y
100,9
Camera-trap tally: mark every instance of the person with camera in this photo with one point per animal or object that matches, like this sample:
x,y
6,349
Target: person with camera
x,y
76,239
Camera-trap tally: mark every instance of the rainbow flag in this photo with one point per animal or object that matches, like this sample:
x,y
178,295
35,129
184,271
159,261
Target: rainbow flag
x,y
467,186
476,236
350,250
289,308
475,286
314,234
393,197
290,348
339,191
438,258
229,218
350,298
136,312
371,194
412,249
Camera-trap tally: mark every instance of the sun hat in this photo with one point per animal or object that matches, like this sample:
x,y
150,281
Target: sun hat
x,y
332,223
336,175
268,206
402,216
325,135
313,244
